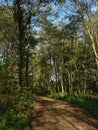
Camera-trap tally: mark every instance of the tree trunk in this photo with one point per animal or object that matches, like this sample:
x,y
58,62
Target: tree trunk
x,y
18,14
27,69
62,81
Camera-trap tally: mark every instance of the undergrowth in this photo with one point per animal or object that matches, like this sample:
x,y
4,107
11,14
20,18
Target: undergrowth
x,y
13,120
14,115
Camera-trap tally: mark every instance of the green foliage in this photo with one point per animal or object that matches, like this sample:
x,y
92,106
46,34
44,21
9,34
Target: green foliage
x,y
24,101
14,111
88,102
13,120
57,95
40,90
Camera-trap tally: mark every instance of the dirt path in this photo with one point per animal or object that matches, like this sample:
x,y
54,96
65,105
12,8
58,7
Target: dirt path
x,y
50,114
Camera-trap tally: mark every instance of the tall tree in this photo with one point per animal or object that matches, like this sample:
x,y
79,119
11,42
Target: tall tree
x,y
85,12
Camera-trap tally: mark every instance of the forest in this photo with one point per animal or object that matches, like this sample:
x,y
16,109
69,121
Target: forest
x,y
47,48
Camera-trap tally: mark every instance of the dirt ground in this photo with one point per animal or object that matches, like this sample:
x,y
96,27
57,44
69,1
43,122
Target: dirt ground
x,y
51,114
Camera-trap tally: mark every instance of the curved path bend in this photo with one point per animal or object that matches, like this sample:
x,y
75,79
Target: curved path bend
x,y
51,114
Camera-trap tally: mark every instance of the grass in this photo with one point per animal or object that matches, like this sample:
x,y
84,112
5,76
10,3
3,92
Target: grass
x,y
87,102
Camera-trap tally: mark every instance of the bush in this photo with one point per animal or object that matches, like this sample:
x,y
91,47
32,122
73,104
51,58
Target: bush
x,y
15,116
13,120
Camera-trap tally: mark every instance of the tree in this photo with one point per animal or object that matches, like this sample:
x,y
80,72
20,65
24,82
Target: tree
x,y
84,11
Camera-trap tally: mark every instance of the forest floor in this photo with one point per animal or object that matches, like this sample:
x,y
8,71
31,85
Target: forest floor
x,y
51,114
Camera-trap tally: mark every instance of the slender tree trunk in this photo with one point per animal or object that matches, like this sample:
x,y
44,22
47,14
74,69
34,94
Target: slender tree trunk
x,y
85,86
62,81
93,39
55,75
27,69
20,49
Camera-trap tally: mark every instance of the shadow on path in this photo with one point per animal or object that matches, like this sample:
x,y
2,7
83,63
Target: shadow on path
x,y
50,114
